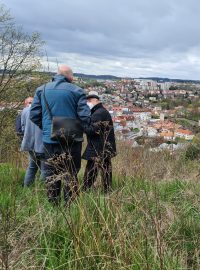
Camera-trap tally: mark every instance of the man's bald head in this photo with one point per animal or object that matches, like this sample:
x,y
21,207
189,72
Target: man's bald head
x,y
28,101
66,71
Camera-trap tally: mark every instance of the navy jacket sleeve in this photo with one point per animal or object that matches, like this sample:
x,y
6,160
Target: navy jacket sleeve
x,y
83,110
95,125
36,109
23,119
18,127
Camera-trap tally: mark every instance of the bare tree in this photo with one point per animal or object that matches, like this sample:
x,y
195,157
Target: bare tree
x,y
20,54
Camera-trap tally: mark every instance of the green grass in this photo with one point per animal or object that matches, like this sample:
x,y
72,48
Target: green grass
x,y
142,224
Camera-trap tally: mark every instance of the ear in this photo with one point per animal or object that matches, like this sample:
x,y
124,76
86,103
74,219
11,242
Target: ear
x,y
71,78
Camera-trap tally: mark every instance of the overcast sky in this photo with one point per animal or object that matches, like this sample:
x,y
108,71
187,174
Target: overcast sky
x,y
118,37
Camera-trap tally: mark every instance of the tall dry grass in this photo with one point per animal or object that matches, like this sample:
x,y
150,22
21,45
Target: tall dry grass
x,y
151,220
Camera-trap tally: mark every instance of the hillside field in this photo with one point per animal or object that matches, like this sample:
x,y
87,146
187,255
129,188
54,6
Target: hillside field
x,y
150,221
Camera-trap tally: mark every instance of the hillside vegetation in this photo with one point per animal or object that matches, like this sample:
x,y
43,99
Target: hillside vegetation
x,y
151,220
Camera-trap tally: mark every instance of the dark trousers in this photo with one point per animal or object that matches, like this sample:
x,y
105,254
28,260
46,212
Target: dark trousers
x,y
62,164
91,172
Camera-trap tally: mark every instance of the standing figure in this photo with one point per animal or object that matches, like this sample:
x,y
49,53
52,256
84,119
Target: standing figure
x,y
101,145
18,126
32,143
53,103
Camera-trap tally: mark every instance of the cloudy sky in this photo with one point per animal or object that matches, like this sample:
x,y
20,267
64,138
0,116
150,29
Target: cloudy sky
x,y
118,37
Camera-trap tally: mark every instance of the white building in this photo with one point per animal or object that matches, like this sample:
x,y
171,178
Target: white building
x,y
184,134
141,114
152,132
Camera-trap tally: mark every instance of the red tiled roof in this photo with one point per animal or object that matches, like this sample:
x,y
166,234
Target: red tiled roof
x,y
137,109
167,134
184,131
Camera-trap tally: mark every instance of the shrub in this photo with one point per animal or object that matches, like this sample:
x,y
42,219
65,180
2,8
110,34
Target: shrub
x,y
192,152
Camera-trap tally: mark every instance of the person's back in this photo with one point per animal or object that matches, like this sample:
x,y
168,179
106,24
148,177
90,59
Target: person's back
x,y
64,99
32,143
61,99
32,138
101,145
100,135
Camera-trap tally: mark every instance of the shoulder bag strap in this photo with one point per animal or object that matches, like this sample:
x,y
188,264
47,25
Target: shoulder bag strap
x,y
46,104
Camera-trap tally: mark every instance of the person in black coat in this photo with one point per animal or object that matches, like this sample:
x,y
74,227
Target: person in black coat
x,y
101,145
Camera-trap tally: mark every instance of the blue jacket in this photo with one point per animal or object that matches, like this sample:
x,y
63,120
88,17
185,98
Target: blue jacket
x,y
64,99
32,139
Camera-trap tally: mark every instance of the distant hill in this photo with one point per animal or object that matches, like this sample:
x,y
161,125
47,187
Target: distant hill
x,y
158,79
111,77
97,77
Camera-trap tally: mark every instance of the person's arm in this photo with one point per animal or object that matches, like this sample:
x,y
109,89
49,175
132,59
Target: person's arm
x,y
95,126
23,121
36,109
83,110
18,126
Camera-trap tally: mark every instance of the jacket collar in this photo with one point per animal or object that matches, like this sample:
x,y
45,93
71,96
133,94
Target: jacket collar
x,y
99,105
60,78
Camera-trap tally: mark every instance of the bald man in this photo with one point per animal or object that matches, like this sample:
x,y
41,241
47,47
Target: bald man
x,y
60,98
18,126
28,101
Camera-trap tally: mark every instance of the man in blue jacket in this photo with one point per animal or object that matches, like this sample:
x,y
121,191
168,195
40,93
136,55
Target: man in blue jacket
x,y
63,158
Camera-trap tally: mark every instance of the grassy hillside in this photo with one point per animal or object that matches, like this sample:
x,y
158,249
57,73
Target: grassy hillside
x,y
150,221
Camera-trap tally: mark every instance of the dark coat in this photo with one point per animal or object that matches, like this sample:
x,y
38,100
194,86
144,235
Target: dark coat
x,y
100,134
18,126
64,99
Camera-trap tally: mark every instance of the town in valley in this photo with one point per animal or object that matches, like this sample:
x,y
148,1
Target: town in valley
x,y
159,113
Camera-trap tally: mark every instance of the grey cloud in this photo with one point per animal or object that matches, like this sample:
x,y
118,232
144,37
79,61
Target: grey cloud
x,y
141,30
